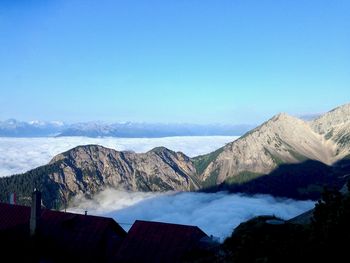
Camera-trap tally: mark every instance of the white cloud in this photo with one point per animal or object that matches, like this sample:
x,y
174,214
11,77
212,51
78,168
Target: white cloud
x,y
215,213
19,155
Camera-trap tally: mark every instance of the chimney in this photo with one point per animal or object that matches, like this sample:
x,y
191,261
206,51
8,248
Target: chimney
x,y
35,212
12,199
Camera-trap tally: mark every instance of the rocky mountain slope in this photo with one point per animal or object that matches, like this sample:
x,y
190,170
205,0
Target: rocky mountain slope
x,y
283,149
89,169
157,170
335,127
282,139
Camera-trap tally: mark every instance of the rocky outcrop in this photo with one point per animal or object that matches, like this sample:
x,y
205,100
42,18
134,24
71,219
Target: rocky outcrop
x,y
282,139
89,169
335,127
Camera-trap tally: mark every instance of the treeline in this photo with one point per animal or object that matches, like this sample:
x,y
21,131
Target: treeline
x,y
24,184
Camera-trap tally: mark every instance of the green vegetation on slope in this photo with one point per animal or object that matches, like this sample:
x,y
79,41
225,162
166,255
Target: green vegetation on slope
x,y
300,181
242,177
24,184
201,162
275,159
211,180
298,156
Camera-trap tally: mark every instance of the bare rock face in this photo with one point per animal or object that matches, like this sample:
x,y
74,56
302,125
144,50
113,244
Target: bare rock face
x,y
282,139
89,169
335,126
333,119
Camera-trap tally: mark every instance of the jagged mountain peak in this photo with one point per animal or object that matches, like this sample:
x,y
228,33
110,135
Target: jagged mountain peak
x,y
332,119
345,108
335,127
160,149
282,116
88,169
82,150
282,124
281,139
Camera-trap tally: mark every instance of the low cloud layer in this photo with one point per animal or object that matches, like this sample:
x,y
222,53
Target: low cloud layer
x,y
215,213
19,155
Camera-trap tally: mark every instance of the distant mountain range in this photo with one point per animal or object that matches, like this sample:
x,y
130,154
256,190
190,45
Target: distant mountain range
x,y
284,156
14,128
149,130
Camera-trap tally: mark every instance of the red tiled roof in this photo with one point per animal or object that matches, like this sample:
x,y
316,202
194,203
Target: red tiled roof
x,y
158,242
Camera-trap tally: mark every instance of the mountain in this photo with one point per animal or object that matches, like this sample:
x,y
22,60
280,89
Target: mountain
x,y
14,128
152,130
335,127
89,169
285,156
309,117
282,139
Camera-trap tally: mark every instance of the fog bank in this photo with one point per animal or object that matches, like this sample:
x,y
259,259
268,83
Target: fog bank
x,y
215,213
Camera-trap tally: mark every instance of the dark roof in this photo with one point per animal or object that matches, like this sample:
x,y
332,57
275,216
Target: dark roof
x,y
86,225
67,232
13,216
158,242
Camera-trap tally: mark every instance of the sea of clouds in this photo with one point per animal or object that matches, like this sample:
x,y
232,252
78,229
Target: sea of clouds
x,y
18,155
216,214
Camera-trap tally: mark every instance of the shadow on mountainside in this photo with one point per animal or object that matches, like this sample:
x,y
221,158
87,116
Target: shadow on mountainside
x,y
301,181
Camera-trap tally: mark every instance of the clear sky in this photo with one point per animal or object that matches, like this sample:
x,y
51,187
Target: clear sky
x,y
214,61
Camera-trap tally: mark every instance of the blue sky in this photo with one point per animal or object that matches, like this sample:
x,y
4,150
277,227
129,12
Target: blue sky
x,y
172,61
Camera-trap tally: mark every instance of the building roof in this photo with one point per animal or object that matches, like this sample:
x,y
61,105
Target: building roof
x,y
92,238
158,242
67,232
13,216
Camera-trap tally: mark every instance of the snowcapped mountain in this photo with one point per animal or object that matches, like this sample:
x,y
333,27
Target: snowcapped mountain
x,y
14,128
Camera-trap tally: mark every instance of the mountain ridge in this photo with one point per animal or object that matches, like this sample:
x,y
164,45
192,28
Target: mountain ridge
x,y
281,140
14,128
